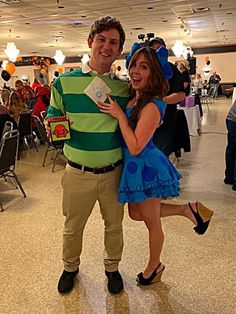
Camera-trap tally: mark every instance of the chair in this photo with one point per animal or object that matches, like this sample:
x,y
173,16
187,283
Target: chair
x,y
7,127
26,134
43,115
55,147
207,97
8,157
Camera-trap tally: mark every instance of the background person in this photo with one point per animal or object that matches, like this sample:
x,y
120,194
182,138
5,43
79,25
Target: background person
x,y
214,82
185,78
165,136
230,154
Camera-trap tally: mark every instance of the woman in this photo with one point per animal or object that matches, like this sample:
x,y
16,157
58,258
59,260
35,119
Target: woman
x,y
16,106
148,175
5,95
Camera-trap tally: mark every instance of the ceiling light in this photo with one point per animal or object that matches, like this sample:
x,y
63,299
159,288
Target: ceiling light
x,y
178,48
59,57
11,51
4,64
85,58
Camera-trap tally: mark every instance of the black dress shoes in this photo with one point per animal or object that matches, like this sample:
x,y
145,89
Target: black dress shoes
x,y
66,281
228,181
115,282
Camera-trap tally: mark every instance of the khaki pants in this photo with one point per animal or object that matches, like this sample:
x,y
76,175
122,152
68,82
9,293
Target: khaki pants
x,y
80,192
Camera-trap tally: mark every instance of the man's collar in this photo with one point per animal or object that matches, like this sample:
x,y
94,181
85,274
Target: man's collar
x,y
86,69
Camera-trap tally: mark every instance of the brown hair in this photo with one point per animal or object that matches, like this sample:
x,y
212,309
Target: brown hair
x,y
5,94
157,85
16,106
106,23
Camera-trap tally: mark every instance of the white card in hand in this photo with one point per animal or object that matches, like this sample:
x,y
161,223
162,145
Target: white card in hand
x,y
97,90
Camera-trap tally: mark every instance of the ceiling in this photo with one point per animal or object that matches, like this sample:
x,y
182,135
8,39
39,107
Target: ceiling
x,y
41,27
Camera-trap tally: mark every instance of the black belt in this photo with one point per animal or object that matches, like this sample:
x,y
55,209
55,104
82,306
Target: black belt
x,y
96,170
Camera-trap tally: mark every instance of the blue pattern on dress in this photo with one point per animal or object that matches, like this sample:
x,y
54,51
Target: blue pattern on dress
x,y
150,173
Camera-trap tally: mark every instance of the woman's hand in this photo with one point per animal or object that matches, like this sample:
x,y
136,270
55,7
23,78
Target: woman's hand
x,y
111,108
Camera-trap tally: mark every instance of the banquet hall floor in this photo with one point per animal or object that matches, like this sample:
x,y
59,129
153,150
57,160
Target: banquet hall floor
x,y
200,270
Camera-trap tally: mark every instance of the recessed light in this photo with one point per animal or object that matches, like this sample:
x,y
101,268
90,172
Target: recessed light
x,y
138,28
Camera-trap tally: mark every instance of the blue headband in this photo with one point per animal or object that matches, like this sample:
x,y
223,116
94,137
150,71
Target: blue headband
x,y
162,56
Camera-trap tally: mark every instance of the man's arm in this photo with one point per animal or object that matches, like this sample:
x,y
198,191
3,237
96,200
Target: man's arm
x,y
174,98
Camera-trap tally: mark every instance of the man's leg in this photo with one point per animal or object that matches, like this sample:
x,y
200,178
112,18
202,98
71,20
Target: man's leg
x,y
230,154
112,214
79,197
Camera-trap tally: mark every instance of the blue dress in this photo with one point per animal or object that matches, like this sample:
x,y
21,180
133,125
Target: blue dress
x,y
150,173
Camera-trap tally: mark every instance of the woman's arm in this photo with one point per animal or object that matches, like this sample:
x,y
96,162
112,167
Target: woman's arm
x,y
149,120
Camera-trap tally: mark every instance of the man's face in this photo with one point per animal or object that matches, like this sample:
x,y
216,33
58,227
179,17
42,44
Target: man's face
x,y
156,45
105,48
19,85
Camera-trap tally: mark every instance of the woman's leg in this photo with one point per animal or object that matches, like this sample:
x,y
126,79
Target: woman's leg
x,y
150,211
178,210
134,212
166,210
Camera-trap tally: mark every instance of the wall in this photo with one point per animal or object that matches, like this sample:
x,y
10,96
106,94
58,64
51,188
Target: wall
x,y
223,63
28,71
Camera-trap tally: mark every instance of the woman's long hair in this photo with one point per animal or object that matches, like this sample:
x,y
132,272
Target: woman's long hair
x,y
157,85
16,106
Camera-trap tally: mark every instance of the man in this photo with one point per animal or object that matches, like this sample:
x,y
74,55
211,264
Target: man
x,y
185,78
21,88
214,82
164,137
230,154
93,152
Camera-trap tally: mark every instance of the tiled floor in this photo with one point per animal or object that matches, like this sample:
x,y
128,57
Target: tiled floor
x,y
200,270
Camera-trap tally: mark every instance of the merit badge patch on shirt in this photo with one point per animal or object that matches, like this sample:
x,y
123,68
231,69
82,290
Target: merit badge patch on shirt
x,y
97,90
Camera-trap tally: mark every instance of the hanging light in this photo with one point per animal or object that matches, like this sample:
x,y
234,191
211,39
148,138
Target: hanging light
x,y
178,48
85,58
4,64
11,51
59,57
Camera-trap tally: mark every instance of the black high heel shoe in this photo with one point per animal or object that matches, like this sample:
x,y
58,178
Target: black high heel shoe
x,y
155,277
202,216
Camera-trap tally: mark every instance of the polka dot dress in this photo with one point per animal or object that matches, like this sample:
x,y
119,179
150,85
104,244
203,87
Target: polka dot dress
x,y
149,174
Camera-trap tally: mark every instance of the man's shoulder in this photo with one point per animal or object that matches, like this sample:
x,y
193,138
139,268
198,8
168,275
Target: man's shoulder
x,y
75,73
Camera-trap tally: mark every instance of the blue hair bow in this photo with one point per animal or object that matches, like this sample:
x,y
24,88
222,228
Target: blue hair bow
x,y
134,48
162,56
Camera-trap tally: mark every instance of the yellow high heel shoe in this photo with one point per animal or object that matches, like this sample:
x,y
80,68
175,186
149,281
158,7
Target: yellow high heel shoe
x,y
202,216
154,277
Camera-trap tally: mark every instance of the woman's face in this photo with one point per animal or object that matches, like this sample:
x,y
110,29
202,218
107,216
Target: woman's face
x,y
140,73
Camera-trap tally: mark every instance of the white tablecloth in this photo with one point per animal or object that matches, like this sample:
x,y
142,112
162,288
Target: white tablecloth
x,y
193,118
